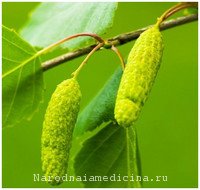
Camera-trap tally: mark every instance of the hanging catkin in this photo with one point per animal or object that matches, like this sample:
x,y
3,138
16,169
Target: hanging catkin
x,y
59,122
138,77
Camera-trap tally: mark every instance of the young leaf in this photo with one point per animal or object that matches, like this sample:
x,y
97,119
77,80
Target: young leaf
x,y
22,79
51,22
101,108
112,152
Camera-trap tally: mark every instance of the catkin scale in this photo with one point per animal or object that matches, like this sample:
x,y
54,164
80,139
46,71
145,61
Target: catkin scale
x,y
58,125
137,80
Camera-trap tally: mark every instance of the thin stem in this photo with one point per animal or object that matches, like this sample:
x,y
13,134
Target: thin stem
x,y
185,5
162,18
75,73
118,40
98,38
175,9
119,55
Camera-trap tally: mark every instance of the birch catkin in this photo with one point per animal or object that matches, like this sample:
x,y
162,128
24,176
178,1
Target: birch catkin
x,y
59,122
138,77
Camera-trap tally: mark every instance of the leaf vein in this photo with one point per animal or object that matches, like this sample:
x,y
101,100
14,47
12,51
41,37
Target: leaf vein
x,y
14,96
27,52
11,60
115,160
90,155
19,66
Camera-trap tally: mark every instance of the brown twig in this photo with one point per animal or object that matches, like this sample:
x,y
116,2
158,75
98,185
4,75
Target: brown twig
x,y
117,40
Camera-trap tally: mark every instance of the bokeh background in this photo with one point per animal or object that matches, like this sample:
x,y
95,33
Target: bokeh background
x,y
167,127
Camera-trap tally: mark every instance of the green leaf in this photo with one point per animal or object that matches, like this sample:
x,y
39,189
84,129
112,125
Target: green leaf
x,y
96,157
112,151
101,108
22,79
51,22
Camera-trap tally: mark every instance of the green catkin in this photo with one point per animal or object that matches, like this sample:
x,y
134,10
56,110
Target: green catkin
x,y
138,77
59,122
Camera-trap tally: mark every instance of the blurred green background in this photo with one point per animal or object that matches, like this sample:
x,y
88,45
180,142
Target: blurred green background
x,y
167,128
